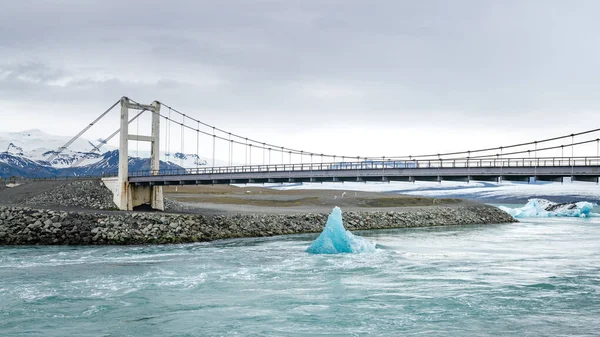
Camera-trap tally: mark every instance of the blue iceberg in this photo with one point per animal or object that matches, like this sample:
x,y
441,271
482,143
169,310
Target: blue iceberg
x,y
335,239
542,208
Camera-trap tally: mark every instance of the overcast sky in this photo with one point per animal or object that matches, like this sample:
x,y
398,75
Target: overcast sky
x,y
360,77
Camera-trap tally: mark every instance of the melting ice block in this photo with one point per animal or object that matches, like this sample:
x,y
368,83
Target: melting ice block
x,y
541,208
336,239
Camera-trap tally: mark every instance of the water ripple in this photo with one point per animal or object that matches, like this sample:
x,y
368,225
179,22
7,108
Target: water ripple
x,y
537,278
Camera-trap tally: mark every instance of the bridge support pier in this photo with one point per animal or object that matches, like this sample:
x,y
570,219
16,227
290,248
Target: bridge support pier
x,y
125,195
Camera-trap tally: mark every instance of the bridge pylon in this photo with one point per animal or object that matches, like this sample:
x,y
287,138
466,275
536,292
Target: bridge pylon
x,y
125,195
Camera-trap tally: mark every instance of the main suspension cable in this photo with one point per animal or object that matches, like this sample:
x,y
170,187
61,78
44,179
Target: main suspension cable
x,y
249,143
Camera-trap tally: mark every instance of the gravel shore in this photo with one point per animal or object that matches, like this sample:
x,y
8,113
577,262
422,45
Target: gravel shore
x,y
28,226
81,213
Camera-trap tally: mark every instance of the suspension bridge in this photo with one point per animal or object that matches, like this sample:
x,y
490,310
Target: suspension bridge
x,y
254,161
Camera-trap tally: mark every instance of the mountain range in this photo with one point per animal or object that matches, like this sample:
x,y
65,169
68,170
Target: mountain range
x,y
33,154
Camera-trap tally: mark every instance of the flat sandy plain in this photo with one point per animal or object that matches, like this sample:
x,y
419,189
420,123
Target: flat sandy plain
x,y
233,199
227,199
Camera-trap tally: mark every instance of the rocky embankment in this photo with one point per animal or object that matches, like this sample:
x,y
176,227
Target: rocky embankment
x,y
82,194
29,226
70,195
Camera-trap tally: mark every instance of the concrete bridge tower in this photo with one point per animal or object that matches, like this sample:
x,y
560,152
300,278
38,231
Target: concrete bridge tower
x,y
125,195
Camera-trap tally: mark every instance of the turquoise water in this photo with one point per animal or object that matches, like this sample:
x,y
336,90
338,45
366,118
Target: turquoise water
x,y
535,278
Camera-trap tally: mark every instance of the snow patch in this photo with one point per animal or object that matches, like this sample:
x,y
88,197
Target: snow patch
x,y
452,189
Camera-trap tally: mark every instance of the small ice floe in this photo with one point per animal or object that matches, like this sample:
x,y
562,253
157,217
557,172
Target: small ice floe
x,y
542,208
335,239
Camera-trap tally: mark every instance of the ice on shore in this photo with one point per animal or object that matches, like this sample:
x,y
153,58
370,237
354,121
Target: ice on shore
x,y
542,208
454,189
335,239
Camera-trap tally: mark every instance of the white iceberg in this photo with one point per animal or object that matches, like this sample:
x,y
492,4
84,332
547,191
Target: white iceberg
x,y
542,208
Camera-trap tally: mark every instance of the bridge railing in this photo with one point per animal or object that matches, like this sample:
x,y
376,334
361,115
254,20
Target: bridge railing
x,y
384,164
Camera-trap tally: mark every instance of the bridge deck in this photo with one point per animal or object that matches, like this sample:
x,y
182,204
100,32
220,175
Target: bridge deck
x,y
276,174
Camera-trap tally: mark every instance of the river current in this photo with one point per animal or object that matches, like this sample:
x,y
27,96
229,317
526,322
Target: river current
x,y
540,277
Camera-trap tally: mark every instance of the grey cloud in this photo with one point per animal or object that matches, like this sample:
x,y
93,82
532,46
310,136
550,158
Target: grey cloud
x,y
403,62
30,72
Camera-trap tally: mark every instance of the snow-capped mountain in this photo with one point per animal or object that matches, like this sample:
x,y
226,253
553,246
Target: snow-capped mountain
x,y
12,148
33,153
19,166
40,147
186,160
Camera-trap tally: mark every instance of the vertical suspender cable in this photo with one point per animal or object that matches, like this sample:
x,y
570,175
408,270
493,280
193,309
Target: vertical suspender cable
x,y
597,155
214,147
229,155
182,141
198,147
572,156
137,142
572,146
536,161
169,136
501,165
246,148
163,126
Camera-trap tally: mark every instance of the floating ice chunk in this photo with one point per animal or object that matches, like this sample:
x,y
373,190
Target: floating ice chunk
x,y
541,208
336,239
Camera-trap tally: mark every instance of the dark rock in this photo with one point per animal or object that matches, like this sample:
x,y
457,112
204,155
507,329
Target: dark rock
x,y
20,227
